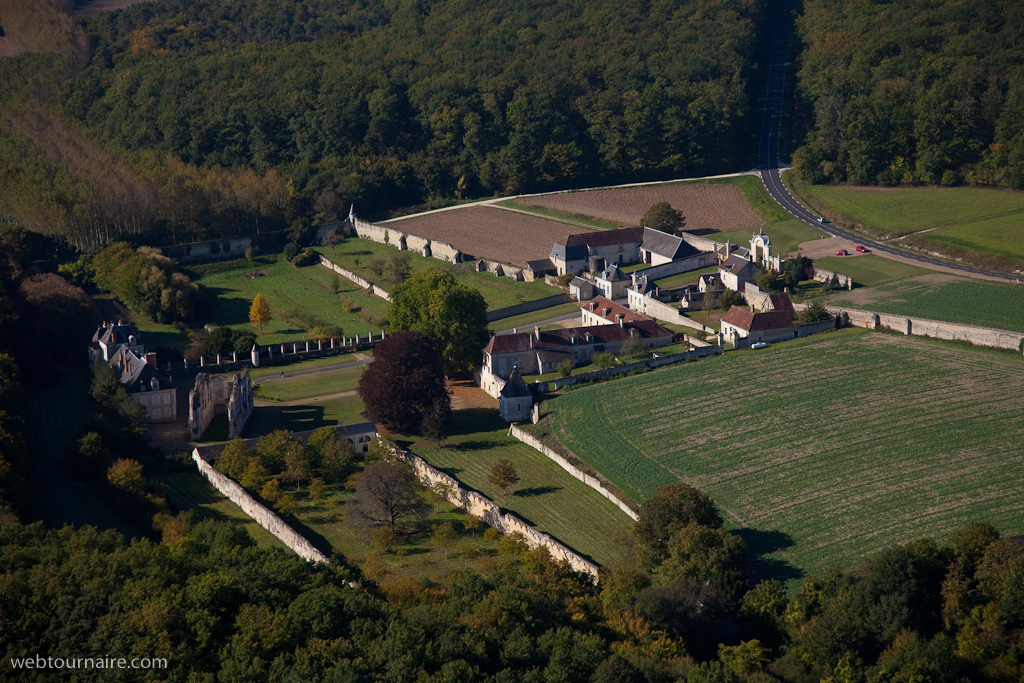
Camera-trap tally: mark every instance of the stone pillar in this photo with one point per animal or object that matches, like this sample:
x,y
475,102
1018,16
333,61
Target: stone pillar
x,y
319,344
307,345
218,359
295,347
186,363
254,354
234,357
282,349
202,362
332,342
270,352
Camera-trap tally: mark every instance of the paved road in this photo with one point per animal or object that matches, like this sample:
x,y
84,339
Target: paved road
x,y
771,173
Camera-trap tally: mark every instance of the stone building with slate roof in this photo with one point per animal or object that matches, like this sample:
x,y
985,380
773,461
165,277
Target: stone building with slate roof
x,y
612,282
145,384
515,401
111,336
736,271
539,352
659,248
572,253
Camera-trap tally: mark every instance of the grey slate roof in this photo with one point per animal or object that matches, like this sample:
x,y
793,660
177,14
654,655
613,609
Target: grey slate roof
x,y
740,267
669,246
515,387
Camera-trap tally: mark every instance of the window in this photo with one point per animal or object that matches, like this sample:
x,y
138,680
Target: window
x,y
167,399
156,414
143,401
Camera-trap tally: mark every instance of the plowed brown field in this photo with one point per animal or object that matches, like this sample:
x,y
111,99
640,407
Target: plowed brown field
x,y
493,234
5,49
718,208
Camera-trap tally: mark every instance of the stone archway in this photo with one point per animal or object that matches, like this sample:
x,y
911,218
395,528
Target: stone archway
x,y
764,242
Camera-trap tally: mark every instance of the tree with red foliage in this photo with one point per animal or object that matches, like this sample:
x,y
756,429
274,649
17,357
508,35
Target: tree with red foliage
x,y
404,388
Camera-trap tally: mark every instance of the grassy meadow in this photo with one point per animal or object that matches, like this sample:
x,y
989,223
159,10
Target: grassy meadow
x,y
868,270
821,450
980,225
499,292
547,497
323,383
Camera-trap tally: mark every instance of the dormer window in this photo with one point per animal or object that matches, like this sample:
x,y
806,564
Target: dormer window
x,y
155,384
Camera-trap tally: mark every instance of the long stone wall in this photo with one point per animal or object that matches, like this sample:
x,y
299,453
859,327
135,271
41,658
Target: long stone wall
x,y
402,240
527,307
229,247
263,516
845,281
349,275
648,305
592,482
979,336
480,506
699,352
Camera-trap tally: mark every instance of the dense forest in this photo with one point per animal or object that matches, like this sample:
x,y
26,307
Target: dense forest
x,y
923,91
195,119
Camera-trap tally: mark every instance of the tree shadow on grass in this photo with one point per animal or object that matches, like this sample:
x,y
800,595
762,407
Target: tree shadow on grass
x,y
761,545
318,541
474,421
476,445
536,491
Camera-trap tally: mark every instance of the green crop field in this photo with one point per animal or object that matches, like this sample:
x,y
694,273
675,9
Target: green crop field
x,y
868,270
190,491
499,292
547,497
316,384
290,292
819,450
944,297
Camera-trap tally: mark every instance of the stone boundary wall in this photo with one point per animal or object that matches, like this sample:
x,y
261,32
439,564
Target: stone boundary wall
x,y
480,506
979,336
702,243
592,482
683,265
228,247
396,238
527,307
699,352
785,334
263,516
670,314
349,275
845,281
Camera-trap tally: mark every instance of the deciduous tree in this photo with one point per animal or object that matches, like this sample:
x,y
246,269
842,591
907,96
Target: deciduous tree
x,y
259,312
387,492
454,315
405,383
503,475
663,217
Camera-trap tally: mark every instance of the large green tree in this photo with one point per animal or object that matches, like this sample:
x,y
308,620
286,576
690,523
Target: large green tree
x,y
453,315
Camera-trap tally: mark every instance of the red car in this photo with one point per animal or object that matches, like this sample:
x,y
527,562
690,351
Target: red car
x,y
864,250
842,252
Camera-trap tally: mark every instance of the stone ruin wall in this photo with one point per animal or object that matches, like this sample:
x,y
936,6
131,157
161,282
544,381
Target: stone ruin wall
x,y
263,516
979,336
480,506
219,395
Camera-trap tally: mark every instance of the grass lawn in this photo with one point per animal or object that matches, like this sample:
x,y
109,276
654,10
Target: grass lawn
x,y
328,361
985,221
547,497
307,386
593,223
156,336
54,418
292,293
413,555
868,270
190,491
819,450
499,292
944,297
534,317
682,279
266,417
786,236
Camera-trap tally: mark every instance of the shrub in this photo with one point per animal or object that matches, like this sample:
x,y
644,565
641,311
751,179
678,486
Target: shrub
x,y
291,250
565,368
729,298
306,258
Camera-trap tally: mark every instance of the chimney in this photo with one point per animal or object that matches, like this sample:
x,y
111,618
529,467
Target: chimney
x,y
151,359
536,332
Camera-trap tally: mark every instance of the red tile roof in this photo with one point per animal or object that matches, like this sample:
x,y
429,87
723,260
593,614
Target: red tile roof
x,y
629,315
757,322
